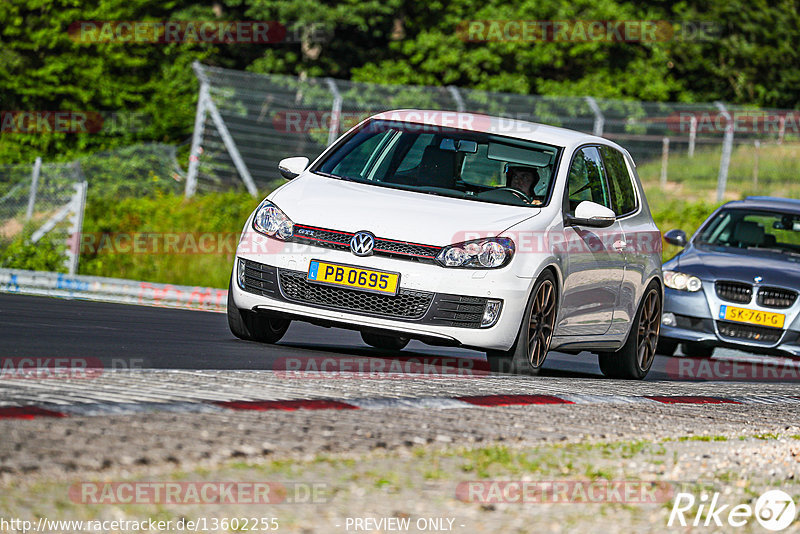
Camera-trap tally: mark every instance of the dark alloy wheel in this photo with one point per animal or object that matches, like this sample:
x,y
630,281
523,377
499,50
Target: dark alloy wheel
x,y
636,357
533,340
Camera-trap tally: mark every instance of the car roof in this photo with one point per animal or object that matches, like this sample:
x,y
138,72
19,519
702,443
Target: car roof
x,y
791,205
529,131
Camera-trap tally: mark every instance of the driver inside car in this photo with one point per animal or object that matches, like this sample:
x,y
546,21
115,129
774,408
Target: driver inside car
x,y
523,179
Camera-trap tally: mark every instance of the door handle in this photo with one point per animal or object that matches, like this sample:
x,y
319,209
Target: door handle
x,y
619,246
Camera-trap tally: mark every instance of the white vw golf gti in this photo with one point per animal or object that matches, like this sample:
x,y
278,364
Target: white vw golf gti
x,y
504,236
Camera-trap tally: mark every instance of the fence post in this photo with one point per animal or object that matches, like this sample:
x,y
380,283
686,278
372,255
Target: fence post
x,y
727,148
336,111
76,227
781,129
37,168
599,120
456,97
197,141
757,144
230,146
692,135
664,160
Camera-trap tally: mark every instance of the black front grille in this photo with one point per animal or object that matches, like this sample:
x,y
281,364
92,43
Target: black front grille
x,y
383,247
734,291
260,279
749,332
442,309
401,248
408,304
461,311
776,297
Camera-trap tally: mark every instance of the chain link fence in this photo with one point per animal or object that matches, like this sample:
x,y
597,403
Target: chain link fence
x,y
43,203
246,123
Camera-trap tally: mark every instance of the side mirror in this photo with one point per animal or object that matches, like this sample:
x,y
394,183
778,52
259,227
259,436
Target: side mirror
x,y
676,237
591,214
292,167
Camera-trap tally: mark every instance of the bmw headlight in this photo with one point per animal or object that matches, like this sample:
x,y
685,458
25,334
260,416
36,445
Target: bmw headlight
x,y
682,281
489,253
271,221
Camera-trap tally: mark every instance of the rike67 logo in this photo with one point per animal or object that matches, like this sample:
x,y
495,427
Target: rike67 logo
x,y
774,510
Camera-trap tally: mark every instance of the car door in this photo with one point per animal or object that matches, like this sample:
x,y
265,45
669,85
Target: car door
x,y
641,236
592,259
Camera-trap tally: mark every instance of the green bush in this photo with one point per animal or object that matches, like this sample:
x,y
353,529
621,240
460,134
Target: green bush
x,y
46,255
220,215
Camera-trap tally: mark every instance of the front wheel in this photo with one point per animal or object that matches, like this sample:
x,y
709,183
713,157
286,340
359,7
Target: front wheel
x,y
635,358
533,339
251,326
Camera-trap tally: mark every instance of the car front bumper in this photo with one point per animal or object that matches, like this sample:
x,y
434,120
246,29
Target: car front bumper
x,y
435,304
687,318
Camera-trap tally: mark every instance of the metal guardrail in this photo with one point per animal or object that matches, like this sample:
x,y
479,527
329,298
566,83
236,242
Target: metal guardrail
x,y
112,290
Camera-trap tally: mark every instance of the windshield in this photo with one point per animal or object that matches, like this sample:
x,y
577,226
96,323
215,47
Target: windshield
x,y
448,162
761,230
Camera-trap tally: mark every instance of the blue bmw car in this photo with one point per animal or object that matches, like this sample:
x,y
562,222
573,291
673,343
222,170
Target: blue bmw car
x,y
736,281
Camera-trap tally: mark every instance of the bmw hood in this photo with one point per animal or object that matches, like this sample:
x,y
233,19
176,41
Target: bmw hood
x,y
393,213
720,263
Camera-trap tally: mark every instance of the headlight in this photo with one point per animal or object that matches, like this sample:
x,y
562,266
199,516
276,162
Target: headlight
x,y
682,281
271,221
479,254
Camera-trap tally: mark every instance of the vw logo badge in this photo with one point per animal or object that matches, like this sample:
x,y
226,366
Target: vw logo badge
x,y
757,279
361,243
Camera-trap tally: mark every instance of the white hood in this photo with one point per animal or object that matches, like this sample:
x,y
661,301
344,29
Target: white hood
x,y
392,213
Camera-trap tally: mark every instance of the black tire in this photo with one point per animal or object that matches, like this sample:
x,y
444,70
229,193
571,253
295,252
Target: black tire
x,y
666,347
634,359
385,342
535,333
697,350
251,326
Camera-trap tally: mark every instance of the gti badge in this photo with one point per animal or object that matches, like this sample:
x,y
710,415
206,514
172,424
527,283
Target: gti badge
x,y
361,243
757,279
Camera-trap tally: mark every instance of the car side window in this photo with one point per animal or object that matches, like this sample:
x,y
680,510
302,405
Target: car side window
x,y
587,180
623,195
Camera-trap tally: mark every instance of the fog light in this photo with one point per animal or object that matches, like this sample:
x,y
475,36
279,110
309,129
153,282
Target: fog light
x,y
668,319
491,313
240,273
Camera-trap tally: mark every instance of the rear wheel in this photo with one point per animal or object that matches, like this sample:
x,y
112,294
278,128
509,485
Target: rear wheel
x,y
251,326
385,342
697,350
533,339
635,358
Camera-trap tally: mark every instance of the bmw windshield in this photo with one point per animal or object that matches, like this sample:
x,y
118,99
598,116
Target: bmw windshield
x,y
754,230
447,162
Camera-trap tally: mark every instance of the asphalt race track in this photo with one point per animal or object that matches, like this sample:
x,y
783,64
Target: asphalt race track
x,y
169,380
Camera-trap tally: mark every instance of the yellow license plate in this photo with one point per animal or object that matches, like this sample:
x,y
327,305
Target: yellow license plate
x,y
743,315
353,277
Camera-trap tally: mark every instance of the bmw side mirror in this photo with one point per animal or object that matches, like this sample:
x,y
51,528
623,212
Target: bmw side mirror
x,y
676,237
292,167
591,214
